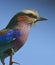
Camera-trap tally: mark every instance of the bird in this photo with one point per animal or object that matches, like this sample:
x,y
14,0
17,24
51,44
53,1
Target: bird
x,y
15,34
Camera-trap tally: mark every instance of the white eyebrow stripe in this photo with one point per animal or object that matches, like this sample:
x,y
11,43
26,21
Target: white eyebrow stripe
x,y
31,11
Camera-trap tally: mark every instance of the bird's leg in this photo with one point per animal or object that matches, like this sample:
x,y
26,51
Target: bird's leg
x,y
3,61
11,59
11,54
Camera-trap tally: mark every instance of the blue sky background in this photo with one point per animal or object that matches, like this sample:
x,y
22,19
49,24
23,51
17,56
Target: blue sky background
x,y
40,46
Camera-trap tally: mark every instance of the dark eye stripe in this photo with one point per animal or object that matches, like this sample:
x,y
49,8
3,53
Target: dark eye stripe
x,y
31,15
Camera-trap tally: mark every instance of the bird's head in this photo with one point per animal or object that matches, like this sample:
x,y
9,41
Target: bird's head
x,y
30,16
25,16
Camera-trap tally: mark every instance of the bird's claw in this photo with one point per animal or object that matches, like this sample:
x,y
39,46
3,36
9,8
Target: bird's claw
x,y
16,63
11,55
11,63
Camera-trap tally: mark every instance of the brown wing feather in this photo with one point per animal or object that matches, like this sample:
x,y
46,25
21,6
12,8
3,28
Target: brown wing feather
x,y
2,32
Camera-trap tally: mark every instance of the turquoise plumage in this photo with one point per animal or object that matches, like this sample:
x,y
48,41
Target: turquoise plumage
x,y
9,36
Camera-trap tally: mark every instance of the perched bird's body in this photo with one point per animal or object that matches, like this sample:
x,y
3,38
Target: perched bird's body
x,y
19,42
16,33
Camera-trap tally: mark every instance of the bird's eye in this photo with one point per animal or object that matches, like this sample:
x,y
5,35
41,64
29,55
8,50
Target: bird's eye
x,y
31,15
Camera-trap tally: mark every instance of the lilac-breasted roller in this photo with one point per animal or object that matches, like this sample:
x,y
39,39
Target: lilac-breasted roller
x,y
15,34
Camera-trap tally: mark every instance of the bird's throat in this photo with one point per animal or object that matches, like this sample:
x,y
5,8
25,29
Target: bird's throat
x,y
24,28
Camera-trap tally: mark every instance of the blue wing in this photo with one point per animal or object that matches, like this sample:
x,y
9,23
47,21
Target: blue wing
x,y
9,36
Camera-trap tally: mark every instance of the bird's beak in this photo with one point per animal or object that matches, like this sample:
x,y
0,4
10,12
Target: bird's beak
x,y
41,19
